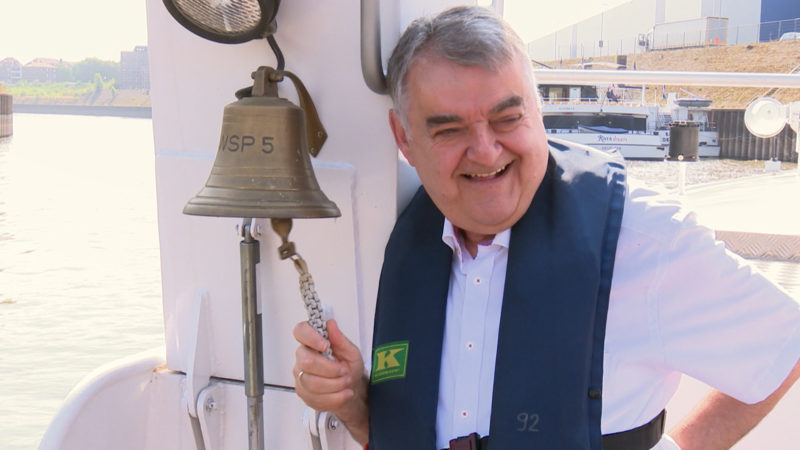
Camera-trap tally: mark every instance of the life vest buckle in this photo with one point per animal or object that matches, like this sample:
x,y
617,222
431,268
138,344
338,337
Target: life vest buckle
x,y
471,442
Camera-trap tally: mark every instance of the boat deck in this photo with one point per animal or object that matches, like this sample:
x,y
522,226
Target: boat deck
x,y
760,204
758,217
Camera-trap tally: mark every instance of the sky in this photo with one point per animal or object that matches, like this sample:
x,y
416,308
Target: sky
x,y
73,30
532,19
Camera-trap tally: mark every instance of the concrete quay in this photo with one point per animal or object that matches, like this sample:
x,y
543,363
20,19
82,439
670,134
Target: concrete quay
x,y
6,115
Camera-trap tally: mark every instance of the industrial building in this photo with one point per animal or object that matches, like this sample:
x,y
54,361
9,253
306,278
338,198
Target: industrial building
x,y
134,68
643,25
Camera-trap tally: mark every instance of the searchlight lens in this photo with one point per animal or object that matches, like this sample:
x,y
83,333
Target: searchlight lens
x,y
225,21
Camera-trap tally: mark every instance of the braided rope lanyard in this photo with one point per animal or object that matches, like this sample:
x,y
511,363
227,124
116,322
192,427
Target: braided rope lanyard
x,y
307,290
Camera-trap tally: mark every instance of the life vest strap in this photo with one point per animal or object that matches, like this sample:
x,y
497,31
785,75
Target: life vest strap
x,y
643,437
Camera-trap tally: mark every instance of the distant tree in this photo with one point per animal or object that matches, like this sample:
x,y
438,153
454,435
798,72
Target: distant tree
x,y
98,84
86,69
64,73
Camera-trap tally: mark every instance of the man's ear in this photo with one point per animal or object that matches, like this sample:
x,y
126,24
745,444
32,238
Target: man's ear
x,y
400,136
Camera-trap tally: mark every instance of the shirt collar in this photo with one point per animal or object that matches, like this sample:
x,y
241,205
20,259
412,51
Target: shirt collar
x,y
455,242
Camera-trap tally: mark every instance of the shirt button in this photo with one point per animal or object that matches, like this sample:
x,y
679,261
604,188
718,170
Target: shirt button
x,y
477,281
464,414
470,346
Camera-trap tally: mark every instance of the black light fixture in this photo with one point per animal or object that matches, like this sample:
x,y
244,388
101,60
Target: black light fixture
x,y
226,21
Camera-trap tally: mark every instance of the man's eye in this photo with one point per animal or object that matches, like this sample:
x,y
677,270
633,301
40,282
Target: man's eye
x,y
506,123
507,119
446,132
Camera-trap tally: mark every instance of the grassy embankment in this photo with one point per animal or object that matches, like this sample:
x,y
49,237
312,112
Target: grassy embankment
x,y
776,57
75,93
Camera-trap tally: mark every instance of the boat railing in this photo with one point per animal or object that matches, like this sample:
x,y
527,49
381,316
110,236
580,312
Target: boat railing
x,y
579,130
567,100
659,78
587,101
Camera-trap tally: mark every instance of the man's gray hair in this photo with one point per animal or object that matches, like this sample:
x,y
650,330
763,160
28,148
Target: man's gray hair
x,y
466,35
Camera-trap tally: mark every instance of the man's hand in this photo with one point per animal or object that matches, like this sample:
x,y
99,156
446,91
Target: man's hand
x,y
338,386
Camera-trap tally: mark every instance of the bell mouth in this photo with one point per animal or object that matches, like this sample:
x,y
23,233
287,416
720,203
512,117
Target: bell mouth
x,y
225,202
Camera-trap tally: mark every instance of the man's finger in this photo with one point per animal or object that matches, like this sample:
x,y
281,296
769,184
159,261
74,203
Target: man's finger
x,y
324,402
311,361
317,385
308,336
342,347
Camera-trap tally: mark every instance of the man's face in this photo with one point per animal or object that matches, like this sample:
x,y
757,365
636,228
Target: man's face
x,y
476,139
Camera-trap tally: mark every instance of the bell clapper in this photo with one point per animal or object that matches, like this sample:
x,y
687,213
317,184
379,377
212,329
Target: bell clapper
x,y
308,291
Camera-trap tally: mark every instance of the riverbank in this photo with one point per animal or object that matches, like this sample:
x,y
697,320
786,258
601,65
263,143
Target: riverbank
x,y
72,99
80,94
86,110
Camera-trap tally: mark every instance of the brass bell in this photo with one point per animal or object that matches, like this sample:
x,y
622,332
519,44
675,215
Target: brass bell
x,y
262,167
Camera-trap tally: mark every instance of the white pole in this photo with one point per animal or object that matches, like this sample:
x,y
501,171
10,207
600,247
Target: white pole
x,y
682,177
797,150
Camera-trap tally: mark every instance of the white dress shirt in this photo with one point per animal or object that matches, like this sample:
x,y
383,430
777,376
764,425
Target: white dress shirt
x,y
680,303
469,348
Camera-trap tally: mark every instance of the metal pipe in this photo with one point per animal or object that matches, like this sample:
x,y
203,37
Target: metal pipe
x,y
371,60
682,165
737,79
249,253
797,149
498,6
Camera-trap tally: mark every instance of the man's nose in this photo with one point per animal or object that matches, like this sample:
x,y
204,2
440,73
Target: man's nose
x,y
484,147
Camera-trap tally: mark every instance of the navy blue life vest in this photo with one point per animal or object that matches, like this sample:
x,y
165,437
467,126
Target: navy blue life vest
x,y
552,327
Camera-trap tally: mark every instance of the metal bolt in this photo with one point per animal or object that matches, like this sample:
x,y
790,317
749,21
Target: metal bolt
x,y
210,404
333,423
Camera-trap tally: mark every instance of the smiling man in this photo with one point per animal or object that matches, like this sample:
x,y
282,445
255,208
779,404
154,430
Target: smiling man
x,y
481,153
528,298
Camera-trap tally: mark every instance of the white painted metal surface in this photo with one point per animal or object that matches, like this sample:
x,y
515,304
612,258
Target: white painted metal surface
x,y
192,80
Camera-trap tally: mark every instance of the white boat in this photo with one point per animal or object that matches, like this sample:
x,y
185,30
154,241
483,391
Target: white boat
x,y
190,394
619,117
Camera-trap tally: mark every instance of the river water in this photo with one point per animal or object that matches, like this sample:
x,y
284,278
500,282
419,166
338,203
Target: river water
x,y
80,281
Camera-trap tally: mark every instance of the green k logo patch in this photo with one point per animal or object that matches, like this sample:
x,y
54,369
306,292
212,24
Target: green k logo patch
x,y
389,361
